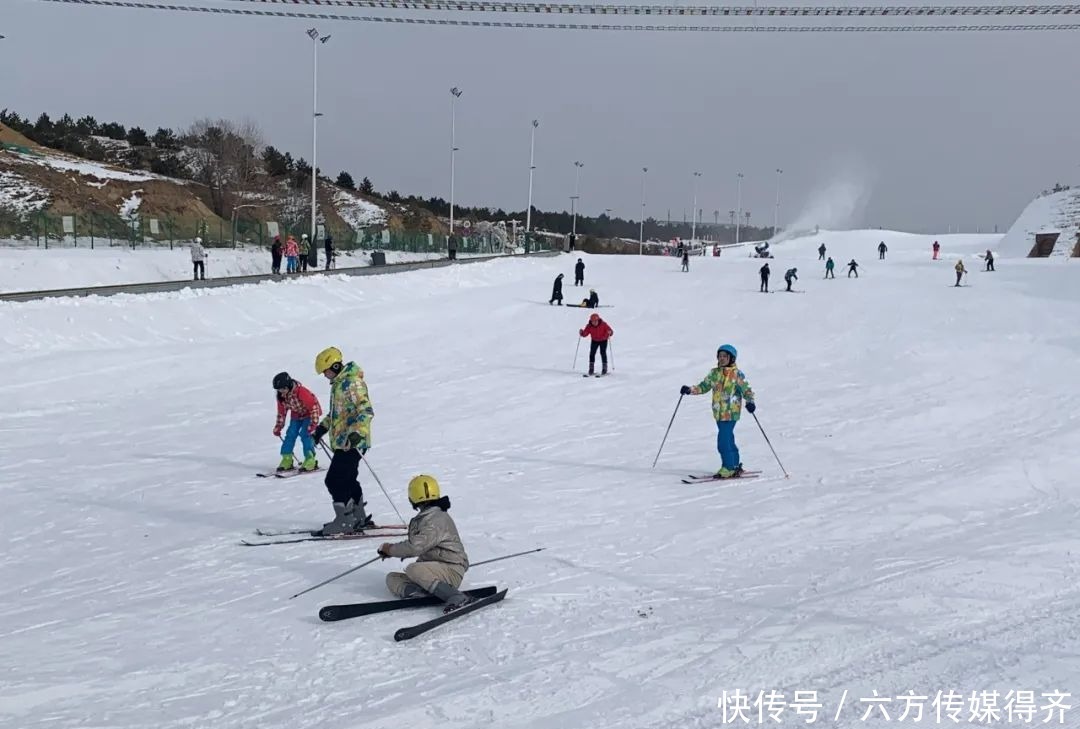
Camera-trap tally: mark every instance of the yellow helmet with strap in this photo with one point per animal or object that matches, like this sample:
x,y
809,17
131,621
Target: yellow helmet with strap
x,y
327,358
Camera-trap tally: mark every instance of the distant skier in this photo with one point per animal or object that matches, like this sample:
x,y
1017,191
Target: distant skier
x,y
328,246
881,248
960,270
600,332
304,250
764,273
441,561
593,302
298,401
829,266
556,291
579,273
853,268
349,426
792,274
937,250
686,260
275,255
729,388
451,247
198,259
821,252
292,252
989,260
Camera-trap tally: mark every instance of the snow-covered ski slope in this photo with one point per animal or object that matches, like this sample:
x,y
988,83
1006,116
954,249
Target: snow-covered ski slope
x,y
926,540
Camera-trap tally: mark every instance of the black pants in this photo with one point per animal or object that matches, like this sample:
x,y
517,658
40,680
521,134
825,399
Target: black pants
x,y
579,280
341,480
788,280
602,346
829,273
959,275
852,271
303,261
764,284
329,258
452,254
556,296
989,264
275,264
199,269
821,255
686,266
881,255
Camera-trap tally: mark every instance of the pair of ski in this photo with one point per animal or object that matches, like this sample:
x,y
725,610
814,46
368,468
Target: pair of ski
x,y
710,477
481,597
295,536
602,374
288,473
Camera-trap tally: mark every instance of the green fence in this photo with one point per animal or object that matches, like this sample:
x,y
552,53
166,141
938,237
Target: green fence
x,y
94,230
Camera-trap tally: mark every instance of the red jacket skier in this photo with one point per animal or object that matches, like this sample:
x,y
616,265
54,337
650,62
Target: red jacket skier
x,y
600,332
306,413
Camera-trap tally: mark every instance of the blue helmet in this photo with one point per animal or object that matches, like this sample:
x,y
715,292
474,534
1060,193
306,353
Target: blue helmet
x,y
729,349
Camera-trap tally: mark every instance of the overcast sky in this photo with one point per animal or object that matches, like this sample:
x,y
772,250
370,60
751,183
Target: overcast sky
x,y
912,131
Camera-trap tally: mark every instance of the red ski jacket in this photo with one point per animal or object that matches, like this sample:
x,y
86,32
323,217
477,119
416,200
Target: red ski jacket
x,y
600,331
302,403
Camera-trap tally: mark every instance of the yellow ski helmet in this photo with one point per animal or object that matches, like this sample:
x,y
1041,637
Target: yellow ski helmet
x,y
423,489
326,359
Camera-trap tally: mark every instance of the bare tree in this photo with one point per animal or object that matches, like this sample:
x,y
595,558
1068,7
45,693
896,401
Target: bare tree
x,y
224,156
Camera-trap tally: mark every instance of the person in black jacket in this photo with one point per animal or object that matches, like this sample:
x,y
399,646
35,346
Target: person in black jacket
x,y
881,248
792,273
579,273
328,245
275,255
764,271
556,291
821,252
593,302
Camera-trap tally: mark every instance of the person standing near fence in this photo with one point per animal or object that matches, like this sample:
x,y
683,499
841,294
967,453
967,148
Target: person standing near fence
x,y
198,259
328,246
275,255
305,251
292,252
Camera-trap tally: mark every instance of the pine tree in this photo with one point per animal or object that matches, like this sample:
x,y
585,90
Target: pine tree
x,y
136,136
345,181
367,187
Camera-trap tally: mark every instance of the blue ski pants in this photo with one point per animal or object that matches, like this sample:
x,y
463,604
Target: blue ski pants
x,y
298,428
725,443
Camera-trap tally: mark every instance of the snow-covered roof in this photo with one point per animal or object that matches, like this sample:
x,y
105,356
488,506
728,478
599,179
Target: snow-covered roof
x,y
1057,212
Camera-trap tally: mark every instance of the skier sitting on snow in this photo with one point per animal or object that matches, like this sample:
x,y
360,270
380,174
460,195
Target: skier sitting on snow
x,y
729,388
600,332
592,302
441,561
792,273
853,268
764,272
556,291
349,426
294,398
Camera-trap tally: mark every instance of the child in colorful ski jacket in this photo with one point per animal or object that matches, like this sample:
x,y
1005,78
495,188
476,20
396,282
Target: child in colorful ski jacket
x,y
294,398
729,389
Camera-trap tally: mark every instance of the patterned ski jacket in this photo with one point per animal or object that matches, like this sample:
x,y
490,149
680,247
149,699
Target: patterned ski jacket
x,y
729,389
350,409
433,537
291,249
302,403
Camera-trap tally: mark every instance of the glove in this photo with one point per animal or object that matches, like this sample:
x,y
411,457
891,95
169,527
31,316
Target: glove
x,y
684,390
581,332
751,407
319,432
277,432
383,550
355,439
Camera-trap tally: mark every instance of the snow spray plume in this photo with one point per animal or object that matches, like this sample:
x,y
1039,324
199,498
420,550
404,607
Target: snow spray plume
x,y
837,205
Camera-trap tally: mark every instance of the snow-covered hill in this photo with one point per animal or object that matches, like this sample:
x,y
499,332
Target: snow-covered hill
x,y
925,542
1057,212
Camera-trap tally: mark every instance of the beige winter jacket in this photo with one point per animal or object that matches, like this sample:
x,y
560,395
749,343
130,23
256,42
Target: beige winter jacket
x,y
433,537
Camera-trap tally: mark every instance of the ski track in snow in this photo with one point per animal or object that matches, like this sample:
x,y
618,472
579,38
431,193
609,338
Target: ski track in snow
x,y
925,541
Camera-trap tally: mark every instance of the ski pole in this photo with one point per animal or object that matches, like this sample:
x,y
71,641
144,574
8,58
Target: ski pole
x,y
786,474
499,559
611,346
375,476
575,353
337,577
668,430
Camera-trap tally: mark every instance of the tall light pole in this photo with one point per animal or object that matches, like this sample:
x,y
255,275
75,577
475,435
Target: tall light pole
x,y
776,215
532,151
574,199
315,41
454,94
738,206
693,212
641,225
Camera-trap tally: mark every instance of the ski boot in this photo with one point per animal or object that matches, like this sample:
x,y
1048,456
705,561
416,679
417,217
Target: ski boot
x,y
739,470
286,463
309,464
603,370
727,473
453,597
592,371
412,590
349,519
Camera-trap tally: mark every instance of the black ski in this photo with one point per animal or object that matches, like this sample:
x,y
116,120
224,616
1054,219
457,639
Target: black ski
x,y
415,630
713,477
332,613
